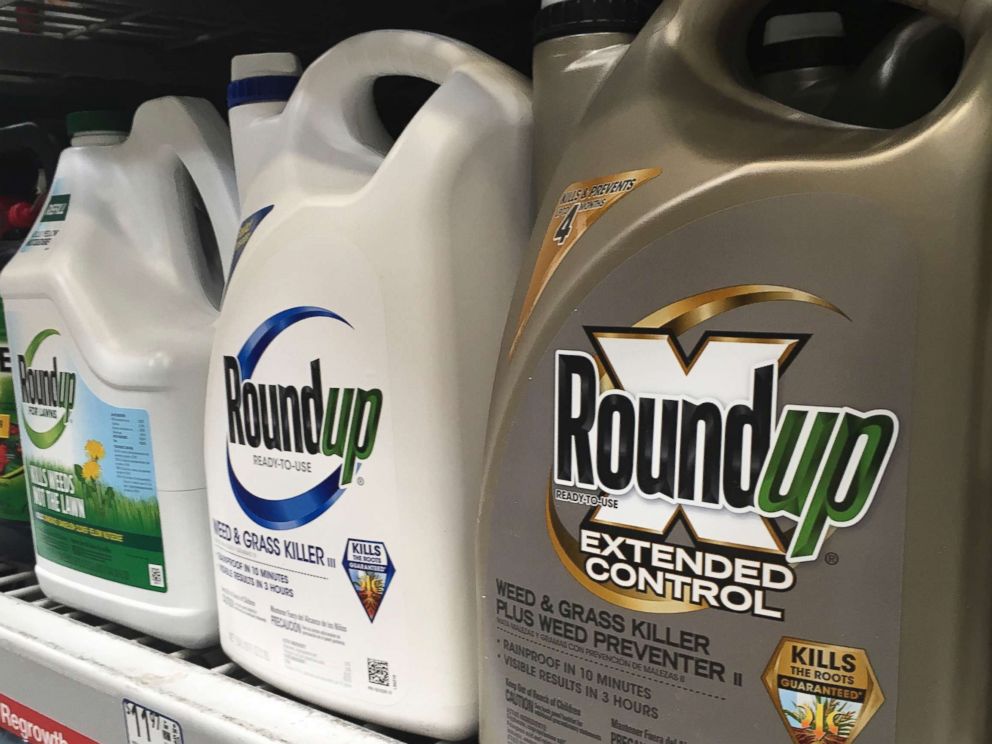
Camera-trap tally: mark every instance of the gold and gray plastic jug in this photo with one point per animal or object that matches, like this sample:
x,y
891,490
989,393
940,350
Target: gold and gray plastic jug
x,y
738,475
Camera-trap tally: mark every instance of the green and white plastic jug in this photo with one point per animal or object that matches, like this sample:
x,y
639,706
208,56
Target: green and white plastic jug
x,y
110,306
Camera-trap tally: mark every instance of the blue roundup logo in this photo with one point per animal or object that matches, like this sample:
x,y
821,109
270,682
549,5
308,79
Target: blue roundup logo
x,y
310,425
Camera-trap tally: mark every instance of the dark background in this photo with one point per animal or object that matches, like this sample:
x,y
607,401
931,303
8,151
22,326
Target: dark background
x,y
57,56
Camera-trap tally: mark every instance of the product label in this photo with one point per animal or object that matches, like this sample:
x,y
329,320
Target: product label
x,y
703,457
51,222
579,207
13,491
298,410
248,228
19,723
89,466
287,428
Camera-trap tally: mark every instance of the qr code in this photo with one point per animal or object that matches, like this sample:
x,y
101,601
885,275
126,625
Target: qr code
x,y
171,733
379,672
156,576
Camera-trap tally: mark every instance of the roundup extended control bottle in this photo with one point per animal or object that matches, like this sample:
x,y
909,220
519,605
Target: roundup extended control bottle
x,y
109,307
352,371
738,479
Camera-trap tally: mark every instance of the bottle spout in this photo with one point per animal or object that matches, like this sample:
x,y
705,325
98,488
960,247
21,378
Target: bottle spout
x,y
261,85
97,128
577,45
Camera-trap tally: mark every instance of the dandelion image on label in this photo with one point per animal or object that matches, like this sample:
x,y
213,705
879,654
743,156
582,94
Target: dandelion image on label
x,y
95,449
91,470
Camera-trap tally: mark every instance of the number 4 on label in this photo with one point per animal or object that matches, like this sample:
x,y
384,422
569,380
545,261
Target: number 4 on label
x,y
565,228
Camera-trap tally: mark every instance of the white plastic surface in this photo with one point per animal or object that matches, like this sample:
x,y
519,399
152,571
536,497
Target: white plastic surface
x,y
417,245
126,283
87,139
267,63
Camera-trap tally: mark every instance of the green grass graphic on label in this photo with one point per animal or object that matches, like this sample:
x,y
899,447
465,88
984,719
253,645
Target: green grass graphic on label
x,y
82,522
108,507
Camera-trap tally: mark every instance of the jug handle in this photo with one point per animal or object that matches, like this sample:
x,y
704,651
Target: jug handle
x,y
971,16
193,130
31,138
344,77
696,21
948,9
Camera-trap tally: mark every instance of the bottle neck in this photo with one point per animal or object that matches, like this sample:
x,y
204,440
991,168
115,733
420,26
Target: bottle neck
x,y
568,71
97,139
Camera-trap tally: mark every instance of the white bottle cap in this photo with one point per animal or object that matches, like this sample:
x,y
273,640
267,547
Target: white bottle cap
x,y
260,65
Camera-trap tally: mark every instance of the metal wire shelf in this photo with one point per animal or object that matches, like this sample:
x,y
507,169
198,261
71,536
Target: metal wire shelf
x,y
165,24
19,589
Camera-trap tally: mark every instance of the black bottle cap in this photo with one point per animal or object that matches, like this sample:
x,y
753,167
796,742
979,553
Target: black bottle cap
x,y
573,17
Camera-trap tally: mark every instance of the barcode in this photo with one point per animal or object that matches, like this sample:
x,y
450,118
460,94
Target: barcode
x,y
379,672
156,576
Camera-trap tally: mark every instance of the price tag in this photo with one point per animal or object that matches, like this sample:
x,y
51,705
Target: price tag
x,y
145,726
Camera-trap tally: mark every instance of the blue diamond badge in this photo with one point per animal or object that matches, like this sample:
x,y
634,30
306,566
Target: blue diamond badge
x,y
371,571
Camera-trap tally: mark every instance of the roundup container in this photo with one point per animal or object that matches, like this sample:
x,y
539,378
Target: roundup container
x,y
738,472
352,370
109,306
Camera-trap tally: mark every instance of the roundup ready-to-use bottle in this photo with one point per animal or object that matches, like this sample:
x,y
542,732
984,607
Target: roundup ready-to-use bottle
x,y
27,161
738,480
352,371
110,305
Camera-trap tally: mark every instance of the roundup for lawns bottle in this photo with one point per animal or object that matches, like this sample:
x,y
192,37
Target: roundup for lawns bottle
x,y
352,371
28,150
109,306
738,480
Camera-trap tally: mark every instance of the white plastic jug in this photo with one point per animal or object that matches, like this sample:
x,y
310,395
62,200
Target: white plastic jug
x,y
110,306
352,370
